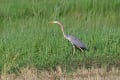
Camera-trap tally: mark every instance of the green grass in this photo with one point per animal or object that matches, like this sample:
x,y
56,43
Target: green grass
x,y
24,31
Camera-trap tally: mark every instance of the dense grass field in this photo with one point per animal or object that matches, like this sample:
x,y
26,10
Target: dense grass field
x,y
26,38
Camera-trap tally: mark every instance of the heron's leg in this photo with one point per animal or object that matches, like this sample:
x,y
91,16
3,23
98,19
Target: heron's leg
x,y
73,49
81,50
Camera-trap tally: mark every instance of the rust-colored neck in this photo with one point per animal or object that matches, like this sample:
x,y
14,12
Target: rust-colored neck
x,y
62,28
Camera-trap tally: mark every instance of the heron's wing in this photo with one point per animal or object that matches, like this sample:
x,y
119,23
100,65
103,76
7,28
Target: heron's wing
x,y
77,42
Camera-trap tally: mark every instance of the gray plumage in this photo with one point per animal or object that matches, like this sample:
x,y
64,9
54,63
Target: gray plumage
x,y
76,42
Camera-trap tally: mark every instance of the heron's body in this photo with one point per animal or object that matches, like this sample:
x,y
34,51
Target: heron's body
x,y
74,41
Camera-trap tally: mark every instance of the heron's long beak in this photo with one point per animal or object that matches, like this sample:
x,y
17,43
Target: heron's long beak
x,y
53,22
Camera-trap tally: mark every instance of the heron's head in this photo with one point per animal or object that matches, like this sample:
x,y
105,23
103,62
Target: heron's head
x,y
54,22
57,22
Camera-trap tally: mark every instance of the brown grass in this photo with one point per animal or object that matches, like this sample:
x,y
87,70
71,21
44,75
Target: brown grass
x,y
59,74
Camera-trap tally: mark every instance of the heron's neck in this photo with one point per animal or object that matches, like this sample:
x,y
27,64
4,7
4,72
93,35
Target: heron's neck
x,y
62,29
65,36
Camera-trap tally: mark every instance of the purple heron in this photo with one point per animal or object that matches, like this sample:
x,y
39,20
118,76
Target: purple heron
x,y
74,41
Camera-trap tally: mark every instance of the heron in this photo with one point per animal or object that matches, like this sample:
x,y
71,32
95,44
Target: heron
x,y
76,43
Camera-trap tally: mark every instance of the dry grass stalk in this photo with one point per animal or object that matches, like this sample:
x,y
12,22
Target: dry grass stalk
x,y
59,74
